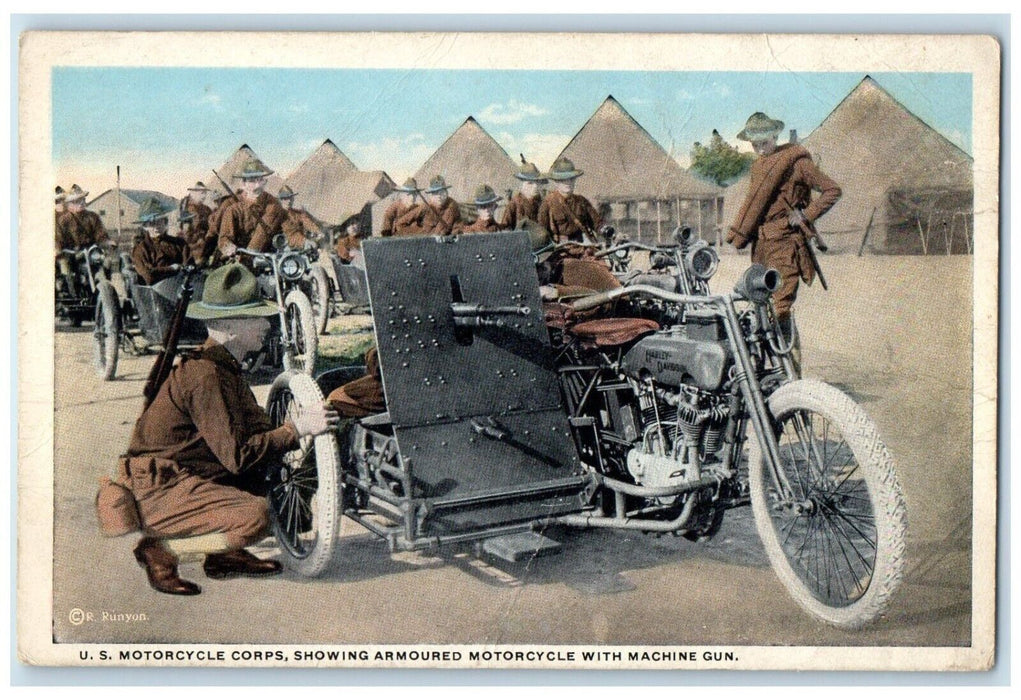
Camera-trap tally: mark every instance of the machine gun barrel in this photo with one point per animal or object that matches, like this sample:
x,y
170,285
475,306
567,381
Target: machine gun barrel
x,y
478,315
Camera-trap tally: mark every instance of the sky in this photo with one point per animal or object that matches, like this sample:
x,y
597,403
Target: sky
x,y
167,127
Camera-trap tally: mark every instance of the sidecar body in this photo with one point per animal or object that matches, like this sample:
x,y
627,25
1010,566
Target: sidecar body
x,y
153,307
475,443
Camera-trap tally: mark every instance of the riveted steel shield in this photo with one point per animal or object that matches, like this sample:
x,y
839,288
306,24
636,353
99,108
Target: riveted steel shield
x,y
475,406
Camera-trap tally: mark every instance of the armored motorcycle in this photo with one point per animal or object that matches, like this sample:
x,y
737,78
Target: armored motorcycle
x,y
626,409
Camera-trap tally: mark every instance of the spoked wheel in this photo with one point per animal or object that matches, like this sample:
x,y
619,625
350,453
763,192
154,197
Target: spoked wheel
x,y
319,296
301,355
833,519
107,331
305,492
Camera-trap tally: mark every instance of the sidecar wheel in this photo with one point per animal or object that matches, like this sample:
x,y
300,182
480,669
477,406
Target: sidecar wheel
x,y
107,331
304,489
301,356
834,531
319,296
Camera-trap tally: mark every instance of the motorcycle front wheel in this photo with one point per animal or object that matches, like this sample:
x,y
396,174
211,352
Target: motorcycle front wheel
x,y
304,488
833,524
301,355
106,333
319,296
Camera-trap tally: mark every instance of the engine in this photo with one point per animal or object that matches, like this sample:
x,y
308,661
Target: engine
x,y
681,433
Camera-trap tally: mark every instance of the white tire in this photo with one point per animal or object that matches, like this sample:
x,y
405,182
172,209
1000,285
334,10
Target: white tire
x,y
836,540
304,496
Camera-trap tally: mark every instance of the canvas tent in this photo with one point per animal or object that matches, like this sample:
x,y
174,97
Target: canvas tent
x,y
330,187
895,171
468,158
641,189
131,201
233,166
317,176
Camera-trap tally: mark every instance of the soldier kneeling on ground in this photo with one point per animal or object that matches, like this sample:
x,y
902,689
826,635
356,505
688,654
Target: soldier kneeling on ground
x,y
193,479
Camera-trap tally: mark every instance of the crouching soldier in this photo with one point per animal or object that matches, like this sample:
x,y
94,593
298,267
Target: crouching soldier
x,y
195,469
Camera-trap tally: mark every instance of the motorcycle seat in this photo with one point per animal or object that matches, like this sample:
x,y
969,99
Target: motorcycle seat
x,y
602,332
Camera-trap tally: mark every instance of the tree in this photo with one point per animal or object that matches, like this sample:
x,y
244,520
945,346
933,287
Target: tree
x,y
719,162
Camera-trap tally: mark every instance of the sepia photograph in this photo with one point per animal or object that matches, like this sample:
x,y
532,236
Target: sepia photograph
x,y
445,350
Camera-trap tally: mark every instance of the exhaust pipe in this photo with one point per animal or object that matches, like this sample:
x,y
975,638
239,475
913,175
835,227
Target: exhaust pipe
x,y
757,283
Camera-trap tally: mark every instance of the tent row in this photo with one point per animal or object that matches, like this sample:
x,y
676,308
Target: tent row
x,y
907,188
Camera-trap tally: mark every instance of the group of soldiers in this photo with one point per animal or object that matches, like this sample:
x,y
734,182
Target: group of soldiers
x,y
192,477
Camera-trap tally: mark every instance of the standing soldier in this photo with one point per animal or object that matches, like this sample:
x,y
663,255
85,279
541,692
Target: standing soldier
x,y
63,242
404,203
439,216
778,212
300,227
526,202
196,465
567,216
157,255
254,216
78,225
485,201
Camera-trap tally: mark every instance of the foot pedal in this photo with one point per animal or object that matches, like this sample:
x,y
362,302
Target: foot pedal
x,y
520,546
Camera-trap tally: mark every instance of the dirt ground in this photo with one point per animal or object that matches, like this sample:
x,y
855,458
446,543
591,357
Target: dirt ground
x,y
894,332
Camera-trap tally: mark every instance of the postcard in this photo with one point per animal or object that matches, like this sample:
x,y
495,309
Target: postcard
x,y
544,351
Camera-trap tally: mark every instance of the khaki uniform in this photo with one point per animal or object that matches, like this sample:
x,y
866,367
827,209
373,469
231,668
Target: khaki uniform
x,y
779,183
519,208
251,224
198,455
200,224
480,226
298,224
80,229
568,218
363,396
422,220
395,211
152,258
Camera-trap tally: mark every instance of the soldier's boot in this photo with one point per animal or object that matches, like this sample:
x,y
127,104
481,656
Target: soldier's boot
x,y
160,566
789,331
239,562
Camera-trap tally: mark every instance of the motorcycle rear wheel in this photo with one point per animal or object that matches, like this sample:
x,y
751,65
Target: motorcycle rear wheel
x,y
304,489
834,533
301,356
107,331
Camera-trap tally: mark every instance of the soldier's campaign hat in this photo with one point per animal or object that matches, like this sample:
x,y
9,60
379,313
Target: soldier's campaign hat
x,y
760,127
252,169
152,210
563,169
485,195
286,193
410,186
437,184
198,187
231,292
529,173
76,193
60,194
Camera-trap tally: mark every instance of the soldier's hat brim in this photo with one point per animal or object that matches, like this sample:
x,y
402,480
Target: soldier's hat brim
x,y
488,200
407,190
760,127
528,177
434,190
260,308
560,175
150,218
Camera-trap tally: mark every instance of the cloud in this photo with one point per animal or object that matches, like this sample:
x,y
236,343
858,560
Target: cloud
x,y
399,156
541,149
211,99
510,113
